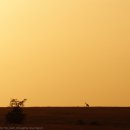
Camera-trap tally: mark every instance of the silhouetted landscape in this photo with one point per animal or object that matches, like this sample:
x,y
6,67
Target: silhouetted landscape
x,y
64,53
73,118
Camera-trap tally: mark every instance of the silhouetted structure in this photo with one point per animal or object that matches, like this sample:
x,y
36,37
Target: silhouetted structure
x,y
16,113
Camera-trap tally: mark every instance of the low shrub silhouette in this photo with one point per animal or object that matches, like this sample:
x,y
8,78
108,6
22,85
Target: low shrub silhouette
x,y
16,114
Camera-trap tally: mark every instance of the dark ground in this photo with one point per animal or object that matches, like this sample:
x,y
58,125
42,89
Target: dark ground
x,y
72,118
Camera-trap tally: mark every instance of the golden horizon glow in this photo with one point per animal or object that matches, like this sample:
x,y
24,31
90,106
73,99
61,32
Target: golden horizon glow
x,y
65,52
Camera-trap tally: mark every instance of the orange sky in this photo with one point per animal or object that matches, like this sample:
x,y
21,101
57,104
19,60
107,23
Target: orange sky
x,y
65,52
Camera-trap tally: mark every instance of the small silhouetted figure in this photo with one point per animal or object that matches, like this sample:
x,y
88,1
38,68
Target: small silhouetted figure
x,y
86,104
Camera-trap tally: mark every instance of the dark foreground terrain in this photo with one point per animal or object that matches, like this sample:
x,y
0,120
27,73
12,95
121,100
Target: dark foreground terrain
x,y
72,118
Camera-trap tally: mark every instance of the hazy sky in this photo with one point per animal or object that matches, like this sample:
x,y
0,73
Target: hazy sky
x,y
65,52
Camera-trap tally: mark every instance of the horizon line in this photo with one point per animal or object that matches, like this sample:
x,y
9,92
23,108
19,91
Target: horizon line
x,y
77,106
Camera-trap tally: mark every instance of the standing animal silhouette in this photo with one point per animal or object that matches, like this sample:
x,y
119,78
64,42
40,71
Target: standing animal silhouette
x,y
86,104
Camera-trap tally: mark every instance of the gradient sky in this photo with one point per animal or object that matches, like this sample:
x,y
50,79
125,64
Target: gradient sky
x,y
65,52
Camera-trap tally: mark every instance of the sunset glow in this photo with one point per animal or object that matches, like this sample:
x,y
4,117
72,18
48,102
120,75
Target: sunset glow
x,y
65,52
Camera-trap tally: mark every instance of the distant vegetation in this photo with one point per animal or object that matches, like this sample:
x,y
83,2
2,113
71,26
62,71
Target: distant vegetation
x,y
16,113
